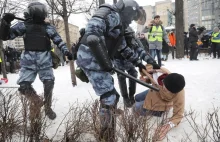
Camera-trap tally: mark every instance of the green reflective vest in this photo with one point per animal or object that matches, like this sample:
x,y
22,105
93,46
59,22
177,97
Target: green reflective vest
x,y
156,34
215,35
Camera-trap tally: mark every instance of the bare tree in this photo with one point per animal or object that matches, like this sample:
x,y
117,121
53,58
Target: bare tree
x,y
64,8
179,29
101,2
9,6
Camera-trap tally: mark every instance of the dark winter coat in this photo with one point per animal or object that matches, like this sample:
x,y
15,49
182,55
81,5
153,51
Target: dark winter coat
x,y
145,44
186,41
193,35
165,48
10,54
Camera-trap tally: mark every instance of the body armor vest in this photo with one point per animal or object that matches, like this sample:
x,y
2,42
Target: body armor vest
x,y
112,44
36,38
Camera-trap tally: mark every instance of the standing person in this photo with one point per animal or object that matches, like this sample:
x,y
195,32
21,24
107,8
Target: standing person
x,y
121,63
165,51
172,38
186,44
157,34
104,35
144,42
11,57
36,59
216,42
193,39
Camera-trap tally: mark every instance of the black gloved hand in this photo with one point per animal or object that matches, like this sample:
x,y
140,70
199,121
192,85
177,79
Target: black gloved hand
x,y
8,17
141,66
153,63
69,55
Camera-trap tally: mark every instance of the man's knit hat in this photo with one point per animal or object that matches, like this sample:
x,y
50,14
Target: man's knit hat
x,y
174,82
192,25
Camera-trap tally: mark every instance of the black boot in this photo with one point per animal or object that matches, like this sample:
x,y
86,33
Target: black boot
x,y
48,92
132,86
28,91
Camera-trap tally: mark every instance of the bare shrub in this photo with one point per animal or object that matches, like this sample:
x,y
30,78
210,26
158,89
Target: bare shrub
x,y
208,131
10,118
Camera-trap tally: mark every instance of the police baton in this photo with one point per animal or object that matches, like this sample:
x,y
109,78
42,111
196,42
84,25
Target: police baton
x,y
20,19
135,79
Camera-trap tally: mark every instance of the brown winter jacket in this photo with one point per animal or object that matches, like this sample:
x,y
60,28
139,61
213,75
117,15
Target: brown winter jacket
x,y
163,101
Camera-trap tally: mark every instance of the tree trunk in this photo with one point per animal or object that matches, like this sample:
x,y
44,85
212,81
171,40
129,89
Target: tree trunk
x,y
65,19
179,29
101,2
3,60
114,1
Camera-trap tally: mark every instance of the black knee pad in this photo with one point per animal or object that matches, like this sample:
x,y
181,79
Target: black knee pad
x,y
107,94
26,87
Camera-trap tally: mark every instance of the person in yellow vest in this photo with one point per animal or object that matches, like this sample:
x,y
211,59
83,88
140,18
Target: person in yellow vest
x,y
216,42
156,35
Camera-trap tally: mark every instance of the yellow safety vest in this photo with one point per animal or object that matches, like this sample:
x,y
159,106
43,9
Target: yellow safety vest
x,y
0,60
156,34
52,49
215,35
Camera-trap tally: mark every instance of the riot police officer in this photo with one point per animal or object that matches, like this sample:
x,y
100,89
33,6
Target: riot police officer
x,y
104,35
121,63
36,59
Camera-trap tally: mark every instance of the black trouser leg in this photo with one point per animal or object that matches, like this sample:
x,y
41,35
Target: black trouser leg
x,y
159,57
12,67
132,84
214,49
173,52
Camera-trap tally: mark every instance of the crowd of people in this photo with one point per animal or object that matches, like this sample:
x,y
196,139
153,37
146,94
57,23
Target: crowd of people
x,y
196,40
12,59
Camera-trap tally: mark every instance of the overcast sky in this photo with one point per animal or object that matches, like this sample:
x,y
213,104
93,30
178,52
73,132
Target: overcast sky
x,y
80,21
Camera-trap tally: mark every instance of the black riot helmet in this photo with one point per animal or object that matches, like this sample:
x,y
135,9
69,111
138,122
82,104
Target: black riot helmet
x,y
130,10
37,11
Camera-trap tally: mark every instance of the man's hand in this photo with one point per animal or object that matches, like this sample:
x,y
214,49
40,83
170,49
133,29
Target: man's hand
x,y
161,132
69,55
8,17
169,44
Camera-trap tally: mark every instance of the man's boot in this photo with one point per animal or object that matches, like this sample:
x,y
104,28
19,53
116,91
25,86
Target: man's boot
x,y
48,92
28,91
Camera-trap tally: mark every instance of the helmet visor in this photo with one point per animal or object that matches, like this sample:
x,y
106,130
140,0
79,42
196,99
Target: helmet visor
x,y
141,16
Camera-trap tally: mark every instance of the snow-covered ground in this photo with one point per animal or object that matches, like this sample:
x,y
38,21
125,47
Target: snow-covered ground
x,y
202,90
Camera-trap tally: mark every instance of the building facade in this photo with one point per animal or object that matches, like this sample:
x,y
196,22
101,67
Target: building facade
x,y
203,13
73,31
161,8
194,12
